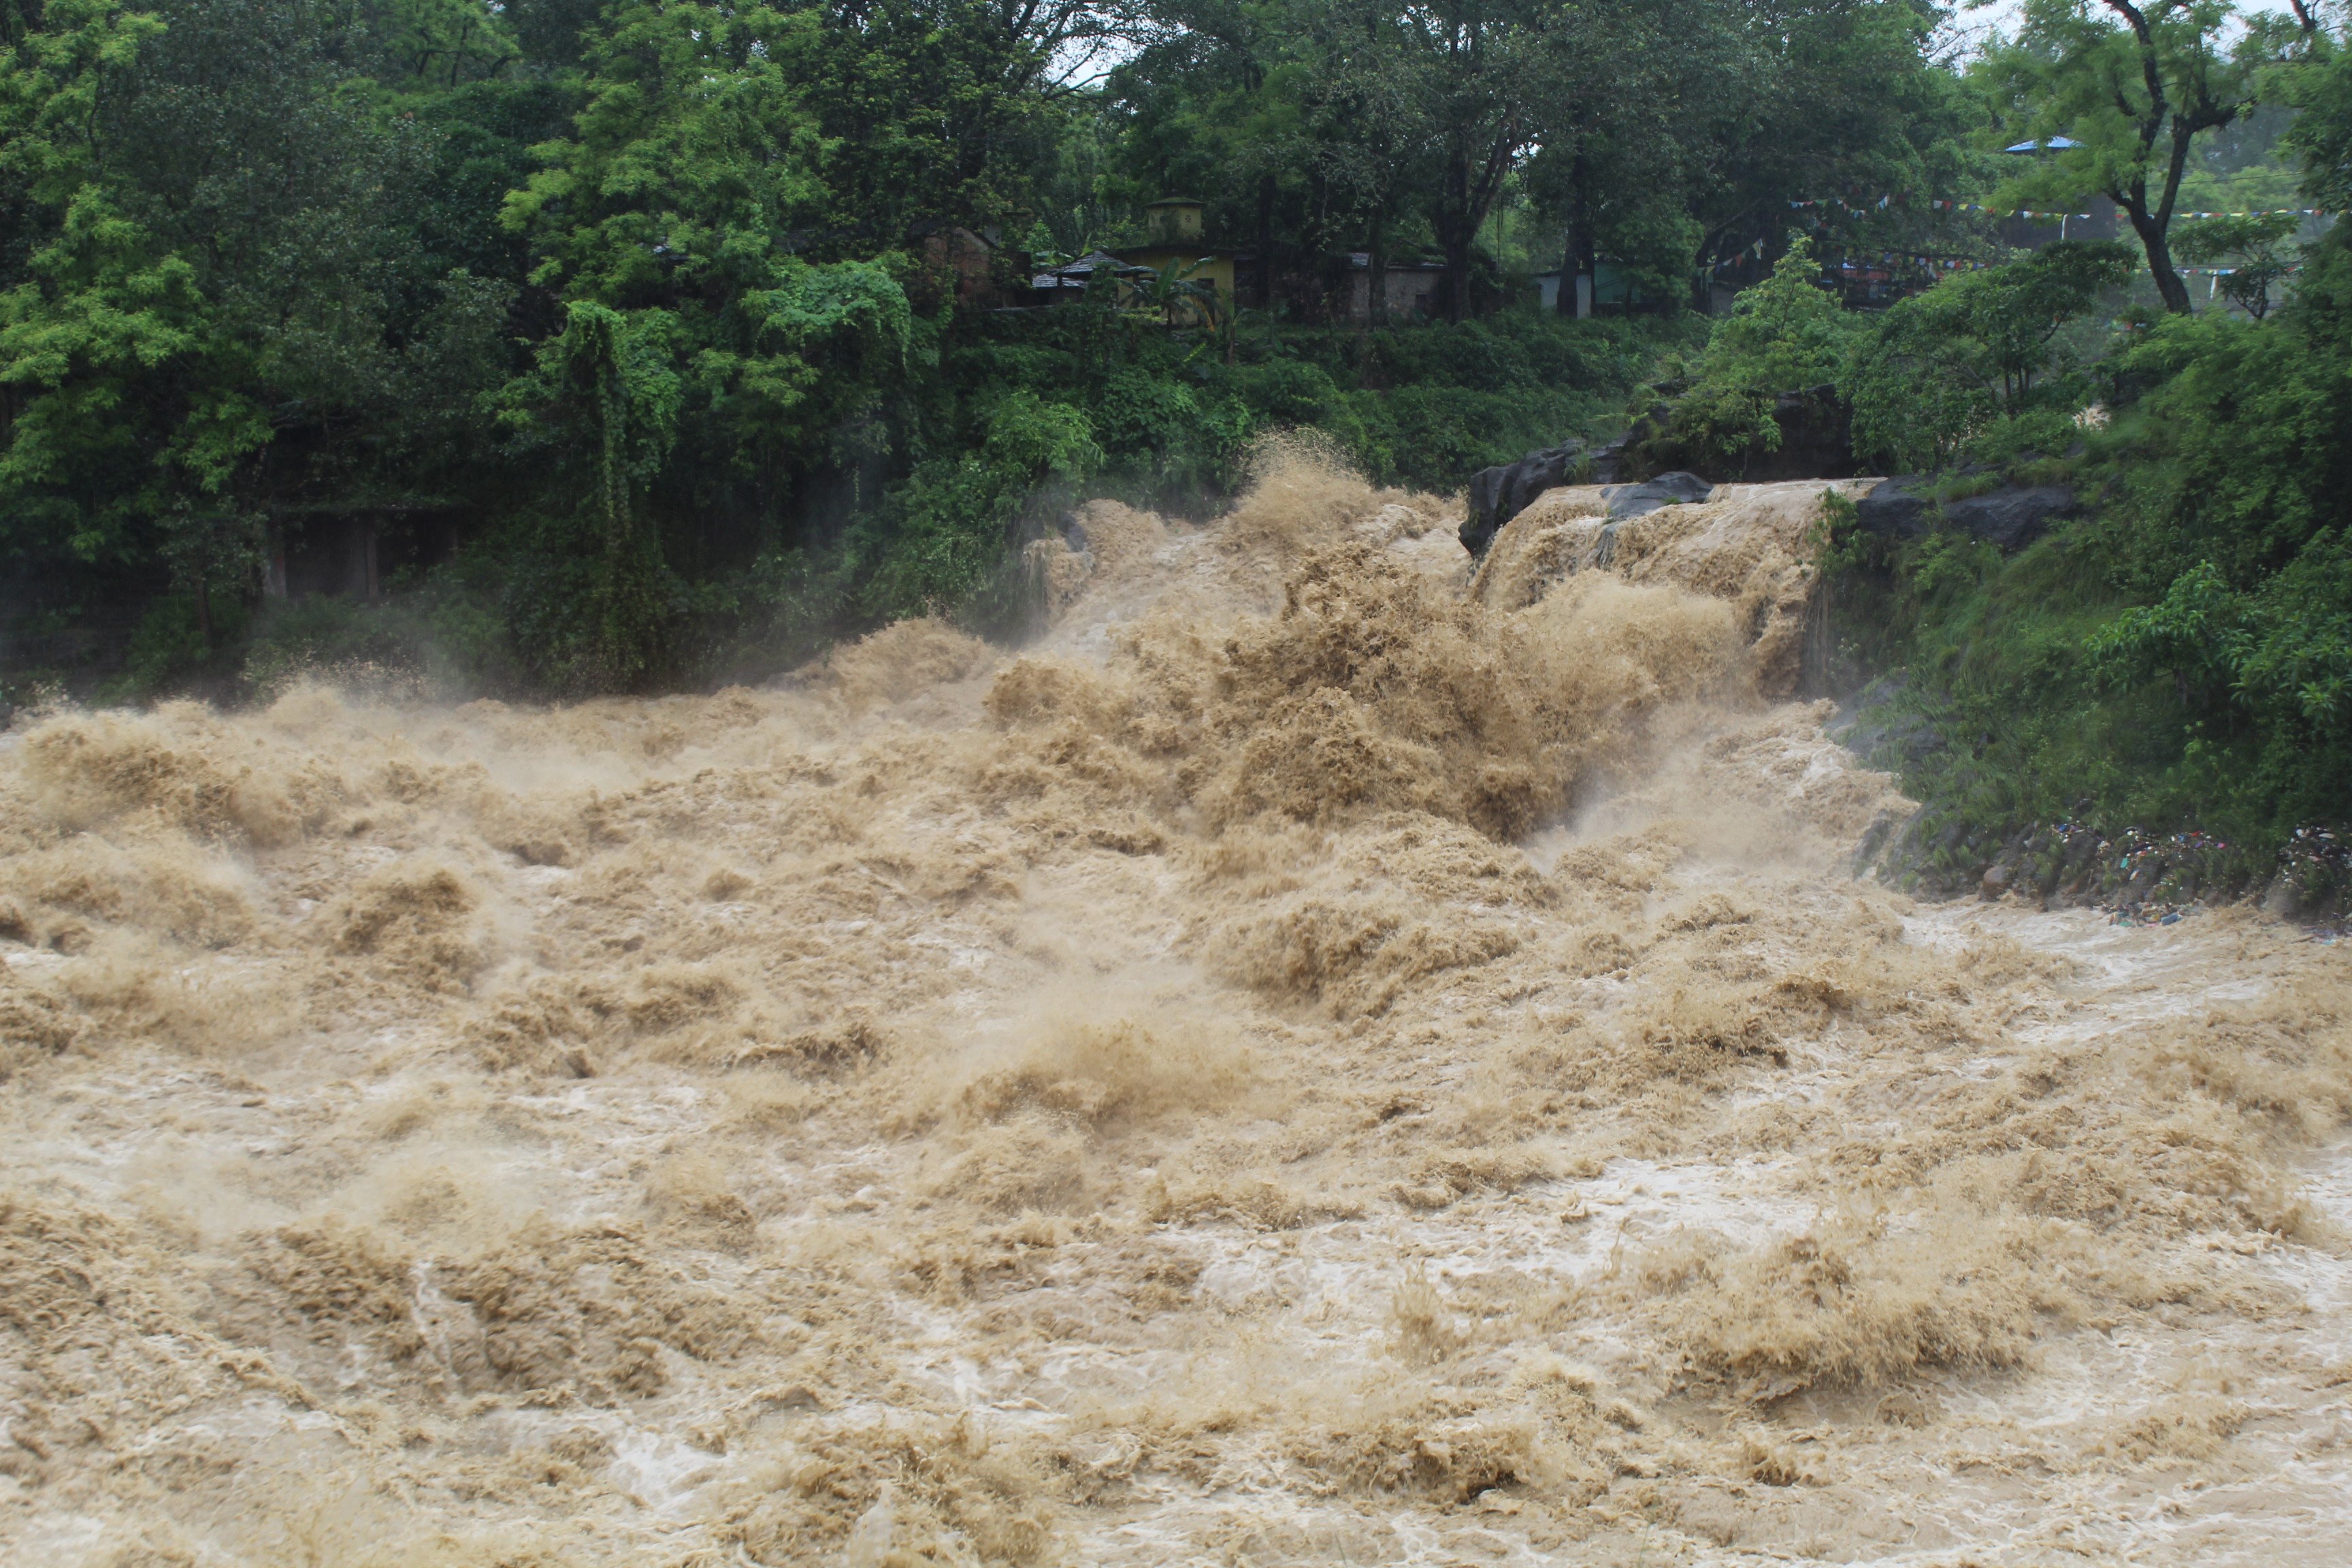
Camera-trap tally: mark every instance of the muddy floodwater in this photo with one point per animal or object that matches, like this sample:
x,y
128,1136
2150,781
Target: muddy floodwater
x,y
1316,1058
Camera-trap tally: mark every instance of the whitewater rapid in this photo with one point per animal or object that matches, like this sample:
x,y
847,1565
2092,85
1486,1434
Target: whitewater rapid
x,y
1322,1057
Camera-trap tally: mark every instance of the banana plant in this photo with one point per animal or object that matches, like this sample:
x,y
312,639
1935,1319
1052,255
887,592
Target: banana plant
x,y
1180,296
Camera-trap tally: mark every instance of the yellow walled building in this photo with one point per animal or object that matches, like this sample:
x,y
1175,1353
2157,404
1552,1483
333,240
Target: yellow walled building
x,y
1175,227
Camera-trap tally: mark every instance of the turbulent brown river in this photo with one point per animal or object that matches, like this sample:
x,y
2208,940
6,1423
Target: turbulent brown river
x,y
1318,1058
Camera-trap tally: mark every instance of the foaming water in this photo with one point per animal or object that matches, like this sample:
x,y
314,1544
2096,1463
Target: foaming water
x,y
1321,1056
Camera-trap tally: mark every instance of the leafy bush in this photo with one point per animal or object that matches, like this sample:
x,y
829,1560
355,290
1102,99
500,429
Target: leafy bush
x,y
345,638
1172,432
941,533
1653,242
2255,247
544,603
1939,369
2182,656
1786,334
169,649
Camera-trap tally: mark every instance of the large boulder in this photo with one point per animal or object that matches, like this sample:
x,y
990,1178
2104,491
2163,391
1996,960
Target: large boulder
x,y
2013,516
1666,489
1816,439
1500,494
1899,508
1607,464
2010,518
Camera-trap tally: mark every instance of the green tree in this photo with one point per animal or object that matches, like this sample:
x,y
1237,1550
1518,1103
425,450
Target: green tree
x,y
1939,368
930,112
944,531
215,315
694,162
1366,123
1289,116
1488,73
1785,334
1611,170
2130,87
2253,246
1803,100
2319,87
438,43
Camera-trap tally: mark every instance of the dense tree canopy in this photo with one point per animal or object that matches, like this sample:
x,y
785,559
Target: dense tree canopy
x,y
639,305
2127,88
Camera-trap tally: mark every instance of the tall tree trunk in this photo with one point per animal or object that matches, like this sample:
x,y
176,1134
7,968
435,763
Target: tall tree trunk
x,y
1576,252
2203,112
1376,298
1702,290
2155,228
1587,260
1457,281
1265,193
1458,230
2157,243
1316,240
204,610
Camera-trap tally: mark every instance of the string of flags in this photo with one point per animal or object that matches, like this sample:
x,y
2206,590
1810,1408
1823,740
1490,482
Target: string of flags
x,y
1939,205
1955,264
1931,263
1878,205
1888,259
1945,264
